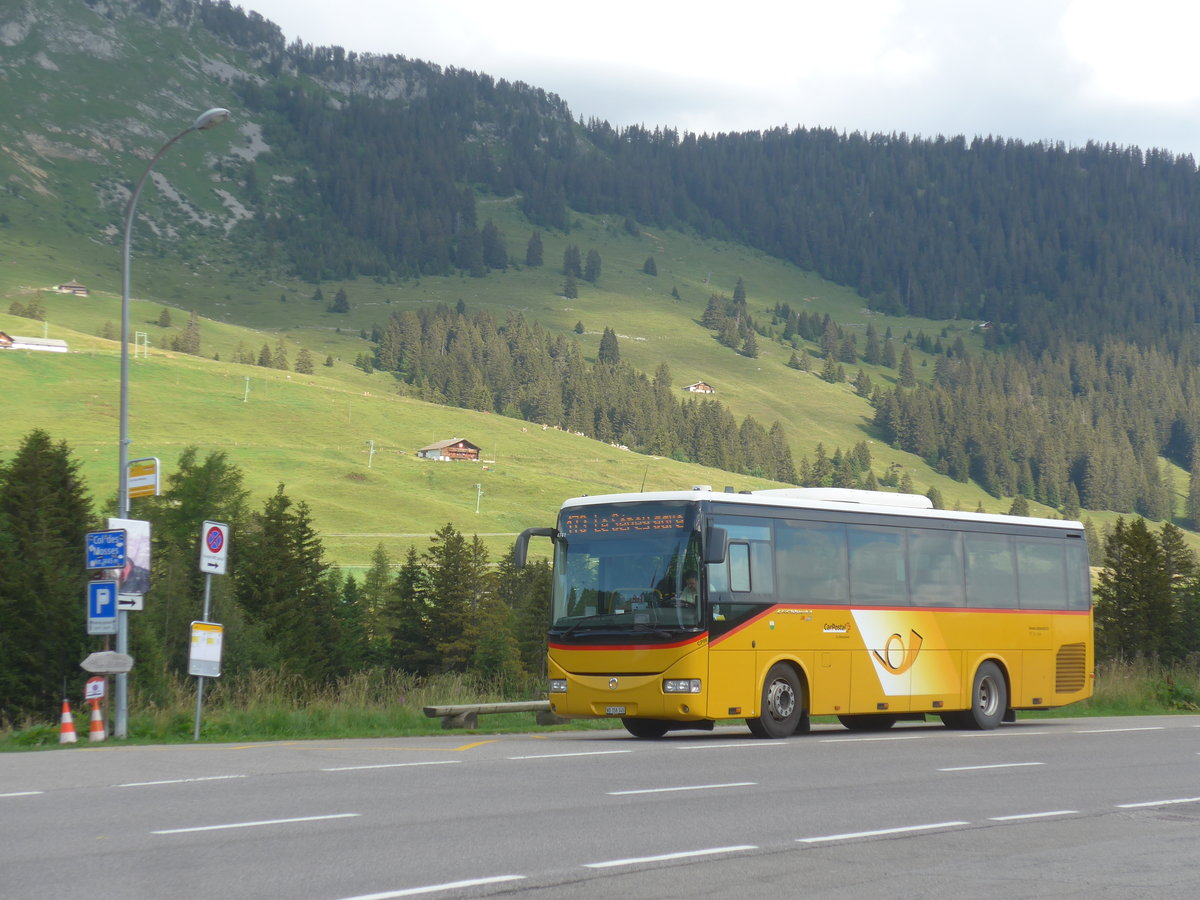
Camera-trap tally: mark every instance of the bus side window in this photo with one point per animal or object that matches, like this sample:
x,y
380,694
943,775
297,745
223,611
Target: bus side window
x,y
739,567
1041,575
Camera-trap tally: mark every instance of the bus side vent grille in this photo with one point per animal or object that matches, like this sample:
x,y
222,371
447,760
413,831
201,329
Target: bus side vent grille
x,y
1070,671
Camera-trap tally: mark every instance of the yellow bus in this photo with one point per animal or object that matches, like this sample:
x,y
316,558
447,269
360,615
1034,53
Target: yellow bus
x,y
674,610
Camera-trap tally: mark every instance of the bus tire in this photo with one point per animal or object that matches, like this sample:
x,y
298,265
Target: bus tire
x,y
989,699
782,707
867,722
646,728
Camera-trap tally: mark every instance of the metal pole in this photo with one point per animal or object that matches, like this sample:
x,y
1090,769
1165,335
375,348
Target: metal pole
x,y
121,685
200,678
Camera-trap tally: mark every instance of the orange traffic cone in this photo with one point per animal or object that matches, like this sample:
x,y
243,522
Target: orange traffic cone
x,y
66,732
96,729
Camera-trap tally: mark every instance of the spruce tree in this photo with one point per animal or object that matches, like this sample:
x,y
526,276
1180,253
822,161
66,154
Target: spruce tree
x,y
533,250
572,262
907,377
1133,597
196,490
281,584
495,254
44,514
610,350
304,362
591,269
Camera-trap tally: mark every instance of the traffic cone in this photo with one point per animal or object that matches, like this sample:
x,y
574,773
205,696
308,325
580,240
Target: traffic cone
x,y
96,729
66,732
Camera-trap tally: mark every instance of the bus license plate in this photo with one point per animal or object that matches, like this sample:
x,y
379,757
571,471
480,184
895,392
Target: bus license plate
x,y
614,710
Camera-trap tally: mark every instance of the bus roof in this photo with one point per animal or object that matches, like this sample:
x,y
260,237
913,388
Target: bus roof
x,y
882,503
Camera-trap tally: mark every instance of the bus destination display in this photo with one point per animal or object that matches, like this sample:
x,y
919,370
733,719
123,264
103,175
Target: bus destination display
x,y
611,521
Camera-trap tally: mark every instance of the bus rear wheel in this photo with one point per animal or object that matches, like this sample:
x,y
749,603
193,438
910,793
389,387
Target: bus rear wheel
x,y
867,722
646,728
989,701
782,707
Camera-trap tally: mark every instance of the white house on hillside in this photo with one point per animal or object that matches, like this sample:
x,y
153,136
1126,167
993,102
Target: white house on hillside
x,y
16,342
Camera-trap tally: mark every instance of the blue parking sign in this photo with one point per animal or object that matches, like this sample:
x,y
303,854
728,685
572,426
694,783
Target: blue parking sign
x,y
102,607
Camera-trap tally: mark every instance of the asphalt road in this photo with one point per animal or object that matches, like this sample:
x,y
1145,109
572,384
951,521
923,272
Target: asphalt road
x,y
1097,808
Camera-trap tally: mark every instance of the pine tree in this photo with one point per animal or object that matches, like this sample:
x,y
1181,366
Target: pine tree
x,y
406,619
195,491
44,514
281,584
714,313
164,318
1133,597
495,254
341,303
610,350
907,377
189,339
784,470
527,593
458,579
572,262
889,354
533,250
570,288
750,345
862,384
739,292
304,362
650,267
591,269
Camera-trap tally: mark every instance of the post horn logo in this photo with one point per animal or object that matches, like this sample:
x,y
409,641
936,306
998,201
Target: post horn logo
x,y
897,658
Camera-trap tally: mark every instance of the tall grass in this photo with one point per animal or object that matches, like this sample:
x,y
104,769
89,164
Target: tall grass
x,y
271,706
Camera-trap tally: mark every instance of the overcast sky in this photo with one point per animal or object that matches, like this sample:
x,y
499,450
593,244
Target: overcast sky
x,y
1114,71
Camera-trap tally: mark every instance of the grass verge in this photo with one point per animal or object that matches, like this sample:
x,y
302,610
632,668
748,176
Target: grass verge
x,y
269,706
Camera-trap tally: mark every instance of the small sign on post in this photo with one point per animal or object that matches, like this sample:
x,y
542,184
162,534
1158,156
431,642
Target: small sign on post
x,y
105,549
94,689
205,658
102,607
143,477
214,548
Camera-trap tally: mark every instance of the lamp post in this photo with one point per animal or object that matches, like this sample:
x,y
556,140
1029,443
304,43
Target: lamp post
x,y
203,122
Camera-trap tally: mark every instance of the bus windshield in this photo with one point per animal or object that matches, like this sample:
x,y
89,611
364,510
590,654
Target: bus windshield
x,y
628,568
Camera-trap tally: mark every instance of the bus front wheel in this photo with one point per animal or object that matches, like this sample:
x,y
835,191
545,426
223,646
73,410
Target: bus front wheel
x,y
782,707
989,700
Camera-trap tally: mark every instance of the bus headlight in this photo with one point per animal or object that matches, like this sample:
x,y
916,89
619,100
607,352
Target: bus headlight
x,y
558,685
681,685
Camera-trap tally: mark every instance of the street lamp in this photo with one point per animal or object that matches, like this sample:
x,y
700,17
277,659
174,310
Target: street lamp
x,y
203,122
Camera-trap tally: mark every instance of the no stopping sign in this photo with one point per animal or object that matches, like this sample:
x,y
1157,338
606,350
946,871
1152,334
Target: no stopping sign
x,y
214,547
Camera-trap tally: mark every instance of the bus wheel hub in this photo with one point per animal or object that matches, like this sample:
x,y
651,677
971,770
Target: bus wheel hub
x,y
781,701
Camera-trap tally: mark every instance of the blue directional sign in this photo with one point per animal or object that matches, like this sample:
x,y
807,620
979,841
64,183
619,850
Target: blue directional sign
x,y
102,607
106,549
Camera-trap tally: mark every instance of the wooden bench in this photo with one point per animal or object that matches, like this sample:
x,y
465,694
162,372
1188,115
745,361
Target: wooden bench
x,y
464,715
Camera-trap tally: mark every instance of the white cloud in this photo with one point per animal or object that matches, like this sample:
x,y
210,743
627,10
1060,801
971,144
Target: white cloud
x,y
1057,70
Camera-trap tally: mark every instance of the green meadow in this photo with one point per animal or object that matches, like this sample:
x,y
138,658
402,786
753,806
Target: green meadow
x,y
314,434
